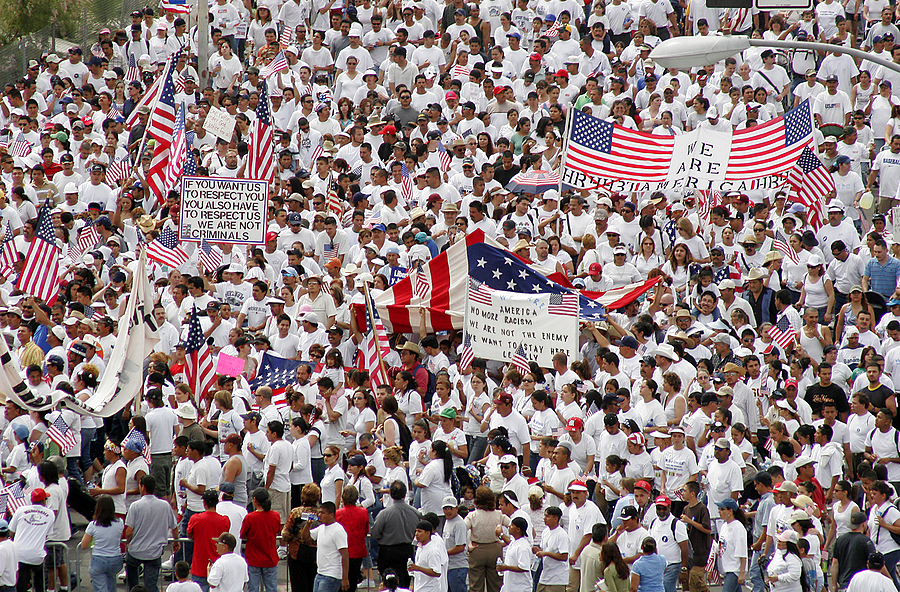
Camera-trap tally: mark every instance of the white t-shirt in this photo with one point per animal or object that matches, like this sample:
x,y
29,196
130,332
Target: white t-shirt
x,y
884,445
330,539
281,456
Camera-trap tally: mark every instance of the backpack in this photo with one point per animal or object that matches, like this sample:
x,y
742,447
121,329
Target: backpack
x,y
674,523
405,437
432,385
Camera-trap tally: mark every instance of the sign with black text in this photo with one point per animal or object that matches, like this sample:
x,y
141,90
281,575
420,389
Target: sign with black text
x,y
224,210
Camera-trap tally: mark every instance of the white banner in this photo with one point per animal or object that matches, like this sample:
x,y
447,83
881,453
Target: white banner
x,y
499,322
219,123
579,180
224,210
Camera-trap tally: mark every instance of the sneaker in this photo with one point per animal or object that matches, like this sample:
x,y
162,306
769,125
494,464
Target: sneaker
x,y
121,576
282,553
167,565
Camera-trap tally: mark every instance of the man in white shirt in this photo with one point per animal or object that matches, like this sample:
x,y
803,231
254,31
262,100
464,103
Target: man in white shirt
x,y
278,464
229,573
332,554
429,565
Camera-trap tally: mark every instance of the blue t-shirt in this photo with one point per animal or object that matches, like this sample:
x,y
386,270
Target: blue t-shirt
x,y
106,538
650,568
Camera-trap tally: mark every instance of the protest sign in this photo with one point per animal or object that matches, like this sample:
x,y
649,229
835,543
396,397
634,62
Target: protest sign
x,y
224,210
229,365
498,322
219,123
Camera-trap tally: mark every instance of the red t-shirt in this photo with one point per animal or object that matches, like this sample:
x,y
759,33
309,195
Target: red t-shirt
x,y
259,529
203,528
355,521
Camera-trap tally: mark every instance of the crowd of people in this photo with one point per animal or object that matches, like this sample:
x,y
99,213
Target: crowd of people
x,y
736,424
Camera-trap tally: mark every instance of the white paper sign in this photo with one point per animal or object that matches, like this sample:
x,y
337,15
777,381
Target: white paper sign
x,y
224,210
895,217
541,326
219,123
701,154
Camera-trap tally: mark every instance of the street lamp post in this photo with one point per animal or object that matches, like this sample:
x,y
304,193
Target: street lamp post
x,y
696,51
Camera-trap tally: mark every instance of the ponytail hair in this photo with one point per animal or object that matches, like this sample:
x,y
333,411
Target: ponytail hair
x,y
442,452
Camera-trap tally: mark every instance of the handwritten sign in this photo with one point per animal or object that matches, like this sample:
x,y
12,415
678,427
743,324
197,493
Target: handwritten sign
x,y
224,210
219,123
229,365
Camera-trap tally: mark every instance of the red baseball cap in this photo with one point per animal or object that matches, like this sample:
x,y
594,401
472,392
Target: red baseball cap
x,y
270,236
535,56
663,501
562,73
643,485
38,495
574,423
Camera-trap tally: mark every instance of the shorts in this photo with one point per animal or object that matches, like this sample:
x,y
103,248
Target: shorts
x,y
56,555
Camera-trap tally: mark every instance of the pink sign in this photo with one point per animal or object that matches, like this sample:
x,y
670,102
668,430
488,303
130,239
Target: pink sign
x,y
229,365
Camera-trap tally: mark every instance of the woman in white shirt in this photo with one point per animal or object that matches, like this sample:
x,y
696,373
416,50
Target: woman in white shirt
x,y
225,68
687,236
332,483
882,108
649,408
301,472
786,568
841,511
732,545
647,259
817,291
678,267
356,467
434,480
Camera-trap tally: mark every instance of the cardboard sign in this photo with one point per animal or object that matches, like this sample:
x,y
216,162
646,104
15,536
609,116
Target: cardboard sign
x,y
224,210
219,123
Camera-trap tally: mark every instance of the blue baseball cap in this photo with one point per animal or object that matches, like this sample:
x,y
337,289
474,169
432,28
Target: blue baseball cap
x,y
728,503
380,227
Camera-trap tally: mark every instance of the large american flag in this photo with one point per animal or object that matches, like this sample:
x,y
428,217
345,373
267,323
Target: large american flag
x,y
165,250
276,373
177,153
9,255
40,275
261,156
277,64
810,182
200,368
62,433
599,148
161,127
12,498
147,100
782,333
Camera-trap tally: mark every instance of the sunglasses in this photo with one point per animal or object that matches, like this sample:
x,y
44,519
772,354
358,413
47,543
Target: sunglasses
x,y
328,454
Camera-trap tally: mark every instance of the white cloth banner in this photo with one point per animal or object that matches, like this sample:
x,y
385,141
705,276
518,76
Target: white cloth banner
x,y
499,322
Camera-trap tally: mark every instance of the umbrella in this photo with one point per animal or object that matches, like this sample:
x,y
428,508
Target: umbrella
x,y
533,182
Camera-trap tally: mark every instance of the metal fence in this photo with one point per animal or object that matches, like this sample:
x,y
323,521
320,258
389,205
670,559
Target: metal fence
x,y
95,15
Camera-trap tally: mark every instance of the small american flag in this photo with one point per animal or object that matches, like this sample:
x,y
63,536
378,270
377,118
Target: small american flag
x,y
178,6
276,373
9,256
706,201
40,276
781,244
520,360
88,237
479,292
115,115
376,345
61,433
118,171
335,206
180,83
139,437
769,445
132,73
810,182
15,497
285,38
422,285
165,250
277,64
782,333
406,184
21,147
210,257
460,73
467,355
553,31
563,304
92,313
316,154
444,156
373,219
712,572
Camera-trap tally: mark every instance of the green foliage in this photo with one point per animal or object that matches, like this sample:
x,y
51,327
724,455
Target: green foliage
x,y
19,18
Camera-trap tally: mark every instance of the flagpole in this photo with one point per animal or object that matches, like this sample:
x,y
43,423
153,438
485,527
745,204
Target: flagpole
x,y
371,315
143,145
562,162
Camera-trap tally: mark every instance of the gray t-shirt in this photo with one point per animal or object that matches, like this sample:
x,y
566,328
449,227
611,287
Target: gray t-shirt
x,y
456,533
152,519
107,539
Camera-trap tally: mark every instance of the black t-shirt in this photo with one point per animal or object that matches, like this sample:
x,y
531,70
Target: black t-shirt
x,y
878,397
700,541
817,395
852,550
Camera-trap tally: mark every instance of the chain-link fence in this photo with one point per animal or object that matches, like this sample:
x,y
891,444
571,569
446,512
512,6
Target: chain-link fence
x,y
95,15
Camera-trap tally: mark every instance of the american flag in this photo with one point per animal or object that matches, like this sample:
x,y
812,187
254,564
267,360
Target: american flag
x,y
520,360
406,184
139,437
316,154
276,373
460,73
467,354
178,6
21,147
598,148
706,201
421,284
118,171
88,237
285,38
781,244
373,219
15,497
444,156
712,572
277,64
40,276
177,153
146,100
61,433
335,205
132,73
114,114
210,256
190,163
92,313
165,250
161,127
200,368
769,445
479,292
261,157
810,182
563,304
553,31
376,341
9,256
782,333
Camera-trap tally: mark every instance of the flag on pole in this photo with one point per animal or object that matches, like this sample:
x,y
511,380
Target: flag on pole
x,y
177,153
62,434
261,157
146,101
200,368
40,275
118,171
285,38
277,64
406,183
210,257
9,256
520,361
161,127
466,354
782,333
781,244
165,250
376,339
810,182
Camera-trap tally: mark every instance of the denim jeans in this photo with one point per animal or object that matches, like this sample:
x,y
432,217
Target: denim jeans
x,y
267,577
133,571
729,582
324,584
670,576
458,579
187,548
890,562
73,468
204,585
757,581
103,572
87,436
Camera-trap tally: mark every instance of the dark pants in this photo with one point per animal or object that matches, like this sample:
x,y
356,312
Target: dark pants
x,y
161,470
73,468
395,557
151,572
302,570
186,553
31,577
354,573
839,301
477,447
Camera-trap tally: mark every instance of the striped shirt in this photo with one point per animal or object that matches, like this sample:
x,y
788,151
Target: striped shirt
x,y
883,278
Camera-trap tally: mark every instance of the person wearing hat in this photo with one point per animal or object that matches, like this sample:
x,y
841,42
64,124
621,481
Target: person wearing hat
x,y
228,571
136,468
733,537
32,523
760,297
519,555
630,533
672,537
502,413
851,552
582,514
680,467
